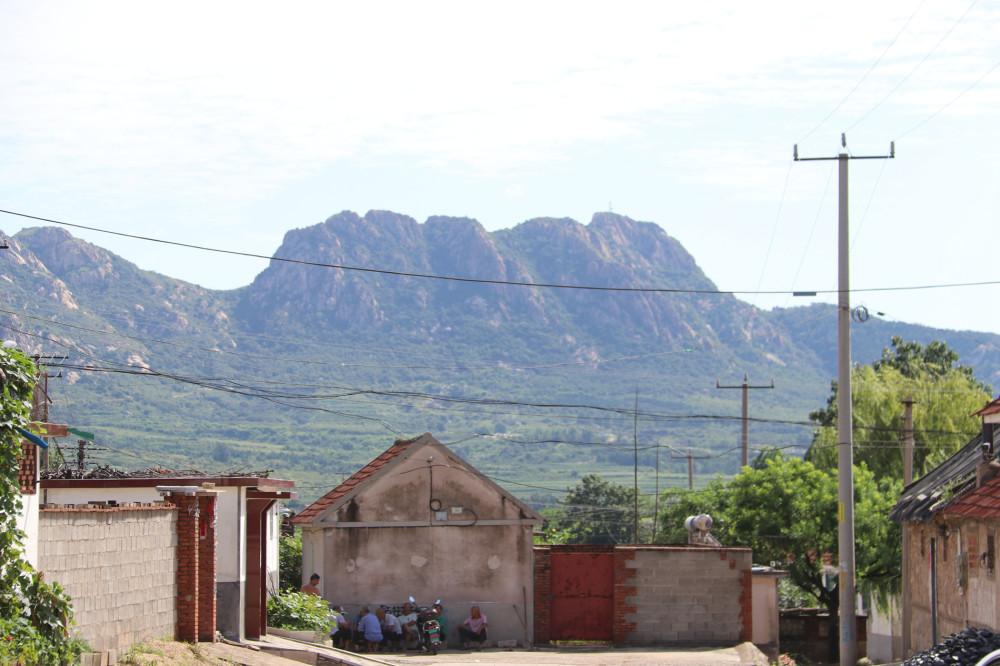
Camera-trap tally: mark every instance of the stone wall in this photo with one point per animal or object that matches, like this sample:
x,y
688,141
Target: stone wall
x,y
118,564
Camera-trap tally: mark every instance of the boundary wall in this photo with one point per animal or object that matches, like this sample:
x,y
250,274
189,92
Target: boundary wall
x,y
119,566
667,595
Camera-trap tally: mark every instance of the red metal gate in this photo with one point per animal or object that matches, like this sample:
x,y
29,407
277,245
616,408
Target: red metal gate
x,y
583,586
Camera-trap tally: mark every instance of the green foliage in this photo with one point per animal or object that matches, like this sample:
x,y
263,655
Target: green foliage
x,y
595,511
787,512
290,562
946,394
35,615
295,611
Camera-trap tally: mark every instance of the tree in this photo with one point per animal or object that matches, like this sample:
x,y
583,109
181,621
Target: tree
x,y
595,511
290,562
34,615
946,393
786,511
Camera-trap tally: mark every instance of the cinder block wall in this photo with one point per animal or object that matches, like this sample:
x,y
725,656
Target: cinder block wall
x,y
119,567
683,595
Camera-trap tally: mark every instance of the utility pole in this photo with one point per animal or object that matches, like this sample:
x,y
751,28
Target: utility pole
x,y
40,400
845,413
745,452
656,496
40,407
907,480
908,440
635,467
690,458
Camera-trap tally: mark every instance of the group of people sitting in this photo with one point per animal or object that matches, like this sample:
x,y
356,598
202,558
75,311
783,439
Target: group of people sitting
x,y
383,631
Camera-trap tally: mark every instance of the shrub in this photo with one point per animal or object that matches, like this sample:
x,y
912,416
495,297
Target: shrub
x,y
298,612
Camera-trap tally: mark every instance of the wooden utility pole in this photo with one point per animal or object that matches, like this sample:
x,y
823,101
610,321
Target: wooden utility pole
x,y
745,386
40,407
845,411
40,401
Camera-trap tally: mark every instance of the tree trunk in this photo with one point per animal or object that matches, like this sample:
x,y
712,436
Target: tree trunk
x,y
832,603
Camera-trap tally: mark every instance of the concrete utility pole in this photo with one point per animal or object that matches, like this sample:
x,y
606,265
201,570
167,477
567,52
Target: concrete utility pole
x,y
845,413
745,455
907,480
690,458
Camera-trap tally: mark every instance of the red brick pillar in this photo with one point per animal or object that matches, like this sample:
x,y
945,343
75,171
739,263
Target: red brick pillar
x,y
746,605
543,594
206,569
186,629
623,593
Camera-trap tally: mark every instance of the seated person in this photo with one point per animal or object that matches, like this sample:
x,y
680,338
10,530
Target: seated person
x,y
340,630
473,628
408,621
369,633
391,630
310,587
439,609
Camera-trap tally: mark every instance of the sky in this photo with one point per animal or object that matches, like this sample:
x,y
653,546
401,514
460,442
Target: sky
x,y
228,124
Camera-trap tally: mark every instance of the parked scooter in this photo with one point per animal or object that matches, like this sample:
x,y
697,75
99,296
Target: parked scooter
x,y
428,628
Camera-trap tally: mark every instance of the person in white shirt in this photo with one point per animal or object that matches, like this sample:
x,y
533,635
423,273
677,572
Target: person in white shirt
x,y
340,630
408,620
392,632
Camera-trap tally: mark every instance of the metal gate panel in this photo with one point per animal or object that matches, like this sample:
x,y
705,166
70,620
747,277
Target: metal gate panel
x,y
583,587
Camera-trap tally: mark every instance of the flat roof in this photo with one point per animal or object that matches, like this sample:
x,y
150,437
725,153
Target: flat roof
x,y
153,481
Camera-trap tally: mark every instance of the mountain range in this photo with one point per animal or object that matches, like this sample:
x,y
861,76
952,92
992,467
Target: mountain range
x,y
540,353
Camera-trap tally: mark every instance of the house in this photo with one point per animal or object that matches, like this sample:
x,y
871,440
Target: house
x,y
224,573
420,521
950,519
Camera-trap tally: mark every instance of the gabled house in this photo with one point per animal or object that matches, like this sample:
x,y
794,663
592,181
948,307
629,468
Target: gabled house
x,y
950,519
420,521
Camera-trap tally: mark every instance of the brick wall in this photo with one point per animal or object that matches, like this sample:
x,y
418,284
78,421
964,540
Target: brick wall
x,y
543,593
206,569
27,469
118,566
187,567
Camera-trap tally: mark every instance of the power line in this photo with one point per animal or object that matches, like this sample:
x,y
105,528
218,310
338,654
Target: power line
x,y
865,76
915,68
540,285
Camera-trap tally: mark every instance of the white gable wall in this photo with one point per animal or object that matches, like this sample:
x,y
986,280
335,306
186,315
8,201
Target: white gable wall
x,y
27,522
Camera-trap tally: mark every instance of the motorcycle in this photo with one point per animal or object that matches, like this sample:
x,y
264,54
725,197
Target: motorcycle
x,y
428,628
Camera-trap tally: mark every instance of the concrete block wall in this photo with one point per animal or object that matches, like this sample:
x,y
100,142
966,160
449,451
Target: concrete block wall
x,y
684,595
118,565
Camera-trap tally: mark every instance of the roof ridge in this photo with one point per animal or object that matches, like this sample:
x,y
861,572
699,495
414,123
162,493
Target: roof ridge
x,y
356,479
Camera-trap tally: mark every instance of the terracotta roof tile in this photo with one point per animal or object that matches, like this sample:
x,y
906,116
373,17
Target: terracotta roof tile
x,y
326,501
983,502
992,407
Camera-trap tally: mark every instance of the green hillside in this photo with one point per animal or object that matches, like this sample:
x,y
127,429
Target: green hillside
x,y
311,371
